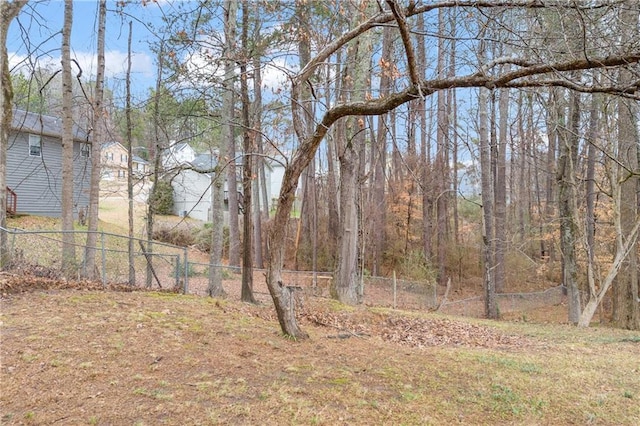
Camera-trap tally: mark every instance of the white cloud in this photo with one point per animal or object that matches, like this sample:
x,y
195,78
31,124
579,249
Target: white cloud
x,y
115,63
274,75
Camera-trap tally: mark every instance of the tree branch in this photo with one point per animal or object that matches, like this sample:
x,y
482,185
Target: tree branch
x,y
406,40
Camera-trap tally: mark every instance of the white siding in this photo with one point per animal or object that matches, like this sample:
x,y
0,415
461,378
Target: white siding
x,y
192,194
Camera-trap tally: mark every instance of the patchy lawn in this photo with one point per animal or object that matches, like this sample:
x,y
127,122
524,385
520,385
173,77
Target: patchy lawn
x,y
86,356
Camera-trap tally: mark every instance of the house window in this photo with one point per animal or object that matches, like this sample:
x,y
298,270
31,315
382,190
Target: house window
x,y
84,150
108,156
122,174
123,158
35,146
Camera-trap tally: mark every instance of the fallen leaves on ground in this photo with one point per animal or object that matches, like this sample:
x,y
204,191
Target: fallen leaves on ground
x,y
424,332
352,323
411,331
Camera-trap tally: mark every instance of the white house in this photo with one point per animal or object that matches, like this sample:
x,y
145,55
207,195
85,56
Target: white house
x,y
177,154
192,188
274,172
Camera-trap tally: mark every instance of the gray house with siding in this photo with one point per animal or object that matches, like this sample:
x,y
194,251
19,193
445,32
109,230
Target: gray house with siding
x,y
34,164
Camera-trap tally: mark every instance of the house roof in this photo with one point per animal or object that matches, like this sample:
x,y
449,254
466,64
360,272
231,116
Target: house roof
x,y
180,146
205,162
32,122
134,158
117,144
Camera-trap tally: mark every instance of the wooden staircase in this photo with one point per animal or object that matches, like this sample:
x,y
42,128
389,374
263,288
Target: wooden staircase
x,y
12,202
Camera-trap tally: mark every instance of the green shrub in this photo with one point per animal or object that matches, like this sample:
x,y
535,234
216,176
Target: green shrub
x,y
161,198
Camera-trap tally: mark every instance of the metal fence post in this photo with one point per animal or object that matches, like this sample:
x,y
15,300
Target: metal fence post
x,y
104,259
13,241
186,272
177,269
395,287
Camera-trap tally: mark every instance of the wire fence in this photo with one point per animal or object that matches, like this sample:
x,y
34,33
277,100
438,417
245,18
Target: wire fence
x,y
168,266
40,252
507,302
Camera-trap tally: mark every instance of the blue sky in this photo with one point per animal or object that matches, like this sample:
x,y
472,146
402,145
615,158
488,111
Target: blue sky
x,y
34,39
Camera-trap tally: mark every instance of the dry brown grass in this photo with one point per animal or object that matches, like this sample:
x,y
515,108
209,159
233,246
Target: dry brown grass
x,y
75,355
90,357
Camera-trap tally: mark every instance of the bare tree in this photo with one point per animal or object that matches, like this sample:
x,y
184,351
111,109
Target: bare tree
x,y
98,126
626,312
68,238
258,172
215,288
8,11
247,166
129,138
231,11
488,198
527,70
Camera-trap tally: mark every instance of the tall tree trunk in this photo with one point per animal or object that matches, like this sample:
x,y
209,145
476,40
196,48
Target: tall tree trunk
x,y
590,189
258,164
333,179
487,187
130,210
307,206
442,157
68,238
453,114
568,207
96,144
626,298
550,196
231,11
488,240
247,171
378,209
215,288
157,169
501,192
8,11
346,280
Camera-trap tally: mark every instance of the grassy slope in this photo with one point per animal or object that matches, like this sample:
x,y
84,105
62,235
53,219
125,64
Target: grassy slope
x,y
80,357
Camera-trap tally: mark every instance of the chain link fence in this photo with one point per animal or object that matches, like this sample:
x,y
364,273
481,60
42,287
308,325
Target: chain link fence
x,y
507,302
169,267
40,252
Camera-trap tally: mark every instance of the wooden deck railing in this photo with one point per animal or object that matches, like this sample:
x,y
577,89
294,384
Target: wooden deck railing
x,y
12,201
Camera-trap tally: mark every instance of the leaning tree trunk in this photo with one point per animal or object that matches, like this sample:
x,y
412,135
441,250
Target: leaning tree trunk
x,y
283,296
